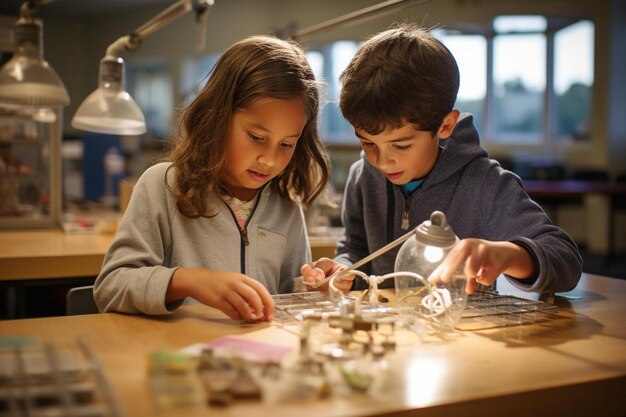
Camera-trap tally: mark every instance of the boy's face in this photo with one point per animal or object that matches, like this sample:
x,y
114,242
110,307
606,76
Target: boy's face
x,y
262,140
402,154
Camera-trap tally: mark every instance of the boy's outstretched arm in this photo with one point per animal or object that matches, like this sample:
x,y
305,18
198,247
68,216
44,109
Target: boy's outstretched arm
x,y
483,261
238,296
322,268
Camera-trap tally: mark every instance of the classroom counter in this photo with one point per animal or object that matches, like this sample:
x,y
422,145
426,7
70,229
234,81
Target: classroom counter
x,y
53,253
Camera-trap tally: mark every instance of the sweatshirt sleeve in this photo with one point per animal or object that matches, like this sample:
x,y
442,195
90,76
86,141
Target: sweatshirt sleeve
x,y
133,278
512,216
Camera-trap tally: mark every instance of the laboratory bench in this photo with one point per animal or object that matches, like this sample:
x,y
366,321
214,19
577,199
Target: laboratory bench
x,y
53,253
37,258
599,200
570,366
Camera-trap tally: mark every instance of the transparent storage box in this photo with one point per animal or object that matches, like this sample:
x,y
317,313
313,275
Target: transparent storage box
x,y
30,168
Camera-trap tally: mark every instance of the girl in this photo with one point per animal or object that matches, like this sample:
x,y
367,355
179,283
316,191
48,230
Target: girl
x,y
221,223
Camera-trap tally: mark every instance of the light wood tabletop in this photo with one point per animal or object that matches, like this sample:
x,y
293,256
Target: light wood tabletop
x,y
571,366
53,253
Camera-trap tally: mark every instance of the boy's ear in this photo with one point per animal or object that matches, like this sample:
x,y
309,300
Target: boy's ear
x,y
448,125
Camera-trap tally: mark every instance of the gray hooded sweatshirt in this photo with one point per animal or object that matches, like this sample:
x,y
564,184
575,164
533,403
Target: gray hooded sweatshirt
x,y
154,239
480,200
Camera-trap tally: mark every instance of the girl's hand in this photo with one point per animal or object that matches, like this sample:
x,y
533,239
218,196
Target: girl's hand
x,y
483,261
238,296
322,268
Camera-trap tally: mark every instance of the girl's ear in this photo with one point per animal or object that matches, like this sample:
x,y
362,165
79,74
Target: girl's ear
x,y
448,125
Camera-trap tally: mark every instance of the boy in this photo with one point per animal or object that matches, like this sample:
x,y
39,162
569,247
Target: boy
x,y
421,155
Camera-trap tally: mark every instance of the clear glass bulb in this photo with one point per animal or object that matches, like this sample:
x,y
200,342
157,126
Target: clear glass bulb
x,y
419,256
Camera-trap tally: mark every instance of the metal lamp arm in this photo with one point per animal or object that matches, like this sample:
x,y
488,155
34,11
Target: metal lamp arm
x,y
164,18
30,7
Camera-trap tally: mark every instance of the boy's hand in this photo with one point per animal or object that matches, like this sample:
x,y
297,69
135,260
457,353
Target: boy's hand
x,y
322,268
482,261
238,296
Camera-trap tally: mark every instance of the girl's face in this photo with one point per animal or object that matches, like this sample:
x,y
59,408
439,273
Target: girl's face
x,y
261,142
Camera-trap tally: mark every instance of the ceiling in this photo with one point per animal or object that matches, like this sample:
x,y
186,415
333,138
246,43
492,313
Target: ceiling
x,y
67,8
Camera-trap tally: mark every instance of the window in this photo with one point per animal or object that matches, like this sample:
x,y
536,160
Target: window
x,y
327,63
470,52
519,81
150,85
573,78
194,75
527,80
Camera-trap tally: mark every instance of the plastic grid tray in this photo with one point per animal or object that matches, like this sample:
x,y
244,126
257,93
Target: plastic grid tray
x,y
484,310
43,379
489,309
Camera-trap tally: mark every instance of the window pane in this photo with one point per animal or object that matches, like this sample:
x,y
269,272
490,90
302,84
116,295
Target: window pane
x,y
519,84
335,129
520,24
316,61
151,87
194,75
470,52
573,79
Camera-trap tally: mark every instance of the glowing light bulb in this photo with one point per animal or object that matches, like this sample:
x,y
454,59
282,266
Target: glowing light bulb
x,y
433,254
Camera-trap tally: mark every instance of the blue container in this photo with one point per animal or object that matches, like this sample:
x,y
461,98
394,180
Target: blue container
x,y
95,147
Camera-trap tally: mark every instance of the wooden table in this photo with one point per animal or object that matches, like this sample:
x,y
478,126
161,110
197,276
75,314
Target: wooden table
x,y
573,188
597,198
47,257
53,257
52,253
573,366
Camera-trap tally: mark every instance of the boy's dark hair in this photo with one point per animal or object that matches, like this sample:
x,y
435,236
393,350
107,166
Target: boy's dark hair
x,y
402,75
252,69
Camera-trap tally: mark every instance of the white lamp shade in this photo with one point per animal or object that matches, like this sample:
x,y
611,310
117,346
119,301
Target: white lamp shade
x,y
110,109
27,79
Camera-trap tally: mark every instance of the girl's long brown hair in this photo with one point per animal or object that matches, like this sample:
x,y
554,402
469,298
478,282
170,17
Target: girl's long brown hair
x,y
255,68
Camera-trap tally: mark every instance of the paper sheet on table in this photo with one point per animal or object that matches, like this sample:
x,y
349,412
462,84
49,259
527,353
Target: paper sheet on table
x,y
251,346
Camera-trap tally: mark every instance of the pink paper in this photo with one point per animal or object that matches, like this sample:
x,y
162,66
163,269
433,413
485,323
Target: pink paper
x,y
250,349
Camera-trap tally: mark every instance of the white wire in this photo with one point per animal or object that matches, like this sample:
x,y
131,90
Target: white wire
x,y
437,301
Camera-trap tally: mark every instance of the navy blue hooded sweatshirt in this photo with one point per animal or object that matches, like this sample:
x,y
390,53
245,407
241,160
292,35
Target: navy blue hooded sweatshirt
x,y
480,200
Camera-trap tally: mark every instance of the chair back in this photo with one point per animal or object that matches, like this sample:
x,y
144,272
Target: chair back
x,y
79,300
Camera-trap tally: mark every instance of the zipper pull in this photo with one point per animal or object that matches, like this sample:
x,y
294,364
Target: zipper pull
x,y
405,220
244,236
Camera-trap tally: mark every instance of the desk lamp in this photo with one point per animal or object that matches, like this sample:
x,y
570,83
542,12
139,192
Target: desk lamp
x,y
27,79
417,259
32,97
110,109
422,250
433,240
